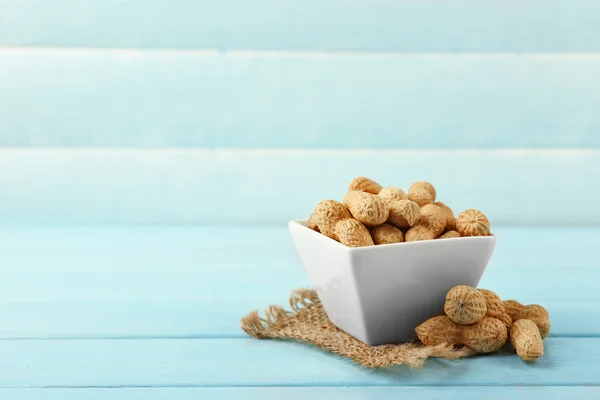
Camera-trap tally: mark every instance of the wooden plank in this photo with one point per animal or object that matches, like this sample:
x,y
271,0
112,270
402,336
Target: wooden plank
x,y
116,186
301,393
113,246
553,246
229,362
130,276
409,25
186,282
131,98
105,319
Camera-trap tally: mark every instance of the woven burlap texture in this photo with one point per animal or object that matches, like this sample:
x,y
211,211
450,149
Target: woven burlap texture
x,y
307,322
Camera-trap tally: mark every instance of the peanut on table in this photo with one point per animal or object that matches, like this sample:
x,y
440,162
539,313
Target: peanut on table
x,y
481,321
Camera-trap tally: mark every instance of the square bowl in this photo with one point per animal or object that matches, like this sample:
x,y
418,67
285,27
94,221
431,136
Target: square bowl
x,y
380,294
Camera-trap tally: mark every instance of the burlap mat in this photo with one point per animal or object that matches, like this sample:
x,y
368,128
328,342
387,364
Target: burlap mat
x,y
308,323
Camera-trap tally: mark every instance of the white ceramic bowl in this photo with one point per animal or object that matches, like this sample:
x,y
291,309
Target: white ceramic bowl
x,y
379,294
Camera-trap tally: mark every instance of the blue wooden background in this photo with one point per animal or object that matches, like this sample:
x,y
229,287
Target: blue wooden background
x,y
152,151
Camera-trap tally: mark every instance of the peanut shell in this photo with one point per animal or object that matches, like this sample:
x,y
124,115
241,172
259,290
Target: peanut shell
x,y
506,320
420,196
472,222
404,213
486,335
449,235
428,187
495,307
450,220
352,233
417,233
513,308
464,305
534,312
494,304
367,208
386,234
430,225
526,339
363,184
437,330
433,218
391,194
327,214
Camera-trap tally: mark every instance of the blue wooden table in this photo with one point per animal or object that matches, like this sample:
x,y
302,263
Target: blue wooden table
x,y
143,312
152,152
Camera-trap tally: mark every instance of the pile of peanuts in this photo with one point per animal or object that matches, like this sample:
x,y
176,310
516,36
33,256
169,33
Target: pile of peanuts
x,y
480,320
371,215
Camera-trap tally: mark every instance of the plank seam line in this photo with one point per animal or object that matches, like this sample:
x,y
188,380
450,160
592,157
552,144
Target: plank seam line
x,y
239,53
271,224
499,151
208,337
347,386
359,384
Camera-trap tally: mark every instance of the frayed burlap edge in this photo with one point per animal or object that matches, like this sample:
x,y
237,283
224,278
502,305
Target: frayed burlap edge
x,y
309,323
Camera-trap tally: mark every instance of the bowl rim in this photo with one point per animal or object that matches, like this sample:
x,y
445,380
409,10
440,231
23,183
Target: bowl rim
x,y
303,222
